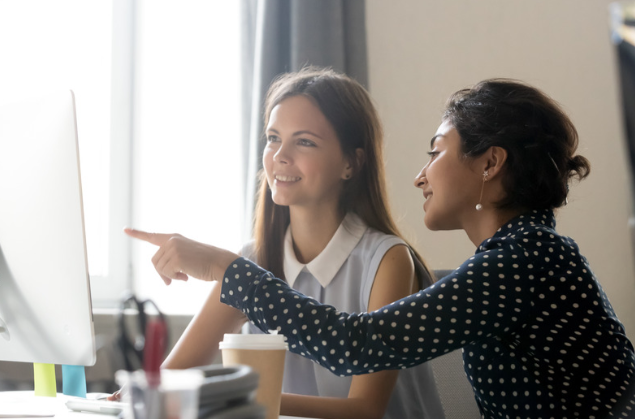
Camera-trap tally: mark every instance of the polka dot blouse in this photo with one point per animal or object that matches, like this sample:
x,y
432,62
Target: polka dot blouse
x,y
539,336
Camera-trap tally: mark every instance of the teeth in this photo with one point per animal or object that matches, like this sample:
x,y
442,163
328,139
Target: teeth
x,y
287,178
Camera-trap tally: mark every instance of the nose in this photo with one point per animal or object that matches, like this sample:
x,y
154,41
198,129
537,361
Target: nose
x,y
282,155
420,179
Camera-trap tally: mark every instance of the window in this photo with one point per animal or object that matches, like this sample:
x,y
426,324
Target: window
x,y
44,48
157,92
186,161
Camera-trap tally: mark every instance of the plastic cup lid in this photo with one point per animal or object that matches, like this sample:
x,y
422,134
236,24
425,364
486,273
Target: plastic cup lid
x,y
255,341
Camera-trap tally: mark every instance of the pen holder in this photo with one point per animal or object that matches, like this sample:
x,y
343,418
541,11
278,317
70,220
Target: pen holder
x,y
176,397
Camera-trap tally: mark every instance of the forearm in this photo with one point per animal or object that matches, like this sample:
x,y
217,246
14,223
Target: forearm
x,y
448,315
328,407
354,339
199,343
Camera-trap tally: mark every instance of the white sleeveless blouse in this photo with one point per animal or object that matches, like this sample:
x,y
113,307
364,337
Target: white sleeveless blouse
x,y
342,275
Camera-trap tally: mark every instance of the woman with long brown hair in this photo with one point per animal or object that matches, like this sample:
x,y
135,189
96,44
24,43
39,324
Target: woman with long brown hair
x,y
322,223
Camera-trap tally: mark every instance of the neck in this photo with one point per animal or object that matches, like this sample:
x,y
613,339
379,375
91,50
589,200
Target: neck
x,y
485,224
312,229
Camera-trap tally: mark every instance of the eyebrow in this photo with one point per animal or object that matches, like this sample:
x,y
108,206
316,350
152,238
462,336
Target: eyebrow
x,y
434,139
295,134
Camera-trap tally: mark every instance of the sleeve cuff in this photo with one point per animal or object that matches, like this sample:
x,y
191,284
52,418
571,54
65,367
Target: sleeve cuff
x,y
240,279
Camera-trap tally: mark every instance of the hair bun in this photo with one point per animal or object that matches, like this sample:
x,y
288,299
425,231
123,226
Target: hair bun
x,y
579,167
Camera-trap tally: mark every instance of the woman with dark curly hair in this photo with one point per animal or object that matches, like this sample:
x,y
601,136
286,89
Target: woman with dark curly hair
x,y
539,336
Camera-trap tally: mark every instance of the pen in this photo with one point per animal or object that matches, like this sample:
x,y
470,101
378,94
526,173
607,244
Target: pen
x,y
156,333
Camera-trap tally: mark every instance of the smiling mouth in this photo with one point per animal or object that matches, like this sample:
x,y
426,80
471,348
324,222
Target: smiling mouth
x,y
282,178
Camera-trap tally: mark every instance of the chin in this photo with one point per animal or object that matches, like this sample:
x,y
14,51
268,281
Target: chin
x,y
432,227
436,224
429,221
282,203
279,200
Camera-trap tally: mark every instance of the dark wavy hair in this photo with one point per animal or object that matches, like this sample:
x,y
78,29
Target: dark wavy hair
x,y
538,136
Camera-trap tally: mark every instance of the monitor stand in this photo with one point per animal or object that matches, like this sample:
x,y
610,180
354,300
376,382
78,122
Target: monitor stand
x,y
44,380
44,401
73,380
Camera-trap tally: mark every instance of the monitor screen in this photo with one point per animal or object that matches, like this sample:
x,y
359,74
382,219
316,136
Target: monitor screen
x,y
45,302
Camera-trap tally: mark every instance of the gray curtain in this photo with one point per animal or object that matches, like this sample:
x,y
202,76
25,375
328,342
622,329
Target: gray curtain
x,y
279,36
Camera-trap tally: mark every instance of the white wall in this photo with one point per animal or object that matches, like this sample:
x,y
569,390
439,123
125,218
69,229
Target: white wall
x,y
422,51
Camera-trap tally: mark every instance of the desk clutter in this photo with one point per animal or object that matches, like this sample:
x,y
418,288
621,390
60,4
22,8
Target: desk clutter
x,y
212,391
199,393
139,347
229,392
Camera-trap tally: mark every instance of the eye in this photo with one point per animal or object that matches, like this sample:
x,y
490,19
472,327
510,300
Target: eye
x,y
272,138
306,143
433,154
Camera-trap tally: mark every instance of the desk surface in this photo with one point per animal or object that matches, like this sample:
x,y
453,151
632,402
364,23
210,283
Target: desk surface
x,y
25,403
12,402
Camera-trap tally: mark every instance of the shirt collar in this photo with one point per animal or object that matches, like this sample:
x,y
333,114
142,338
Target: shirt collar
x,y
544,217
330,260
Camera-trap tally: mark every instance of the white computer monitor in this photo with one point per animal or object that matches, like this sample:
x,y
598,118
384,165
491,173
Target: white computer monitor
x,y
45,301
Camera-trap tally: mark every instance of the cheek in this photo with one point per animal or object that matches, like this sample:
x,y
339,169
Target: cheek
x,y
452,185
267,165
332,174
267,161
311,167
458,190
445,183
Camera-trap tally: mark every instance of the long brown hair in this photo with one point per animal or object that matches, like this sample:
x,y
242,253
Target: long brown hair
x,y
349,109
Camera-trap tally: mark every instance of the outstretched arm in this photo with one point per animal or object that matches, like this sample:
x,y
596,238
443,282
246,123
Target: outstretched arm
x,y
198,345
448,315
455,311
178,258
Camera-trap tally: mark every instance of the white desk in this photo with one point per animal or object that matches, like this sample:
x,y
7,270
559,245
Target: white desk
x,y
25,401
13,401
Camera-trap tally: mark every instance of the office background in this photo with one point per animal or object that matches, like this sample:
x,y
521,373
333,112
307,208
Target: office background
x,y
421,52
418,54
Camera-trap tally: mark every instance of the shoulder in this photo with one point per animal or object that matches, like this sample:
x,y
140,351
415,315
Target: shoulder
x,y
370,243
389,250
394,278
386,267
374,246
536,242
374,241
530,249
381,244
397,258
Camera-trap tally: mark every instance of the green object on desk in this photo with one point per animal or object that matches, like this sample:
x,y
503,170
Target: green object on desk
x,y
74,380
44,380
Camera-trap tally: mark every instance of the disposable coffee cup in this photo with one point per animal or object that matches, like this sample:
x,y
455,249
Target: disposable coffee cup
x,y
265,354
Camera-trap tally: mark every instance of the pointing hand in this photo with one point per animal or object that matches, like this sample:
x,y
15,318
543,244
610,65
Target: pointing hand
x,y
179,257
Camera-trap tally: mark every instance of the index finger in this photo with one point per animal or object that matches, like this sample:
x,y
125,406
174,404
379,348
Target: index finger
x,y
157,239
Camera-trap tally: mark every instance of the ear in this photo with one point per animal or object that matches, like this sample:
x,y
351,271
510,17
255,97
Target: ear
x,y
353,167
493,161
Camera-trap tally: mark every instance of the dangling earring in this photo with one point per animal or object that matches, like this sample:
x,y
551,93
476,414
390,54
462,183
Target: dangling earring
x,y
479,206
